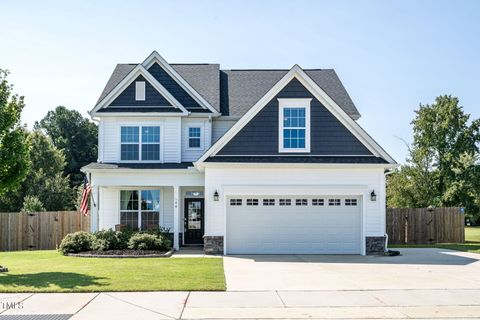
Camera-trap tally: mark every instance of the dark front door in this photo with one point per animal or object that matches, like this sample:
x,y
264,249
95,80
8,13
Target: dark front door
x,y
194,221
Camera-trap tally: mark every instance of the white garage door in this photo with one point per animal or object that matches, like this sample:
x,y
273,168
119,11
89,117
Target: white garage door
x,y
293,225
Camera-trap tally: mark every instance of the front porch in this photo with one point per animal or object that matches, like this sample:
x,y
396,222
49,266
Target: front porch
x,y
170,199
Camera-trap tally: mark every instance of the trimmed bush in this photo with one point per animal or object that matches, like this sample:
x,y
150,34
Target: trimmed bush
x,y
106,240
145,241
77,242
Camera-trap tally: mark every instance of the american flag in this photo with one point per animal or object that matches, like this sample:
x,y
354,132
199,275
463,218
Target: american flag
x,y
85,194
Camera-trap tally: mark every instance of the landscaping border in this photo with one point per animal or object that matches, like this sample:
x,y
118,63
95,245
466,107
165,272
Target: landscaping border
x,y
162,255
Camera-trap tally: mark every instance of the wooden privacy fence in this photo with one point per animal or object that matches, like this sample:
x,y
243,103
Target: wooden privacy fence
x,y
425,225
38,230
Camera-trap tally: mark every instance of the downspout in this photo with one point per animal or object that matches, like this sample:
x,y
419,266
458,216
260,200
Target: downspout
x,y
387,172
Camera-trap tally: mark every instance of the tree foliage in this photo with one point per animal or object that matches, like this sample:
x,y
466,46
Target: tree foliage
x,y
45,179
442,168
73,134
13,145
32,204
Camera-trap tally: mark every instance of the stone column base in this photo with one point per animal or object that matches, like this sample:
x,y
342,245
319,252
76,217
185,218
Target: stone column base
x,y
375,245
213,244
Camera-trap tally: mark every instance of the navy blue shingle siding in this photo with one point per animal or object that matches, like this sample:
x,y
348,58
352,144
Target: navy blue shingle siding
x,y
152,96
174,88
328,135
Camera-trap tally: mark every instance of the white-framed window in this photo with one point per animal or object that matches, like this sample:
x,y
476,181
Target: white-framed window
x,y
235,202
140,209
194,137
140,143
294,125
350,202
268,202
317,202
334,202
252,202
301,202
285,202
140,90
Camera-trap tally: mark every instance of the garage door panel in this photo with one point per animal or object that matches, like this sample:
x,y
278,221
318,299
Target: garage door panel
x,y
294,229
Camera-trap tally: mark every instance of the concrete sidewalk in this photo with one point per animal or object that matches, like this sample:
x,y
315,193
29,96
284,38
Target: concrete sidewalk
x,y
328,304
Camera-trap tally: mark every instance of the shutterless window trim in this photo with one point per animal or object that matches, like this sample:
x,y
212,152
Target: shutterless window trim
x,y
301,202
268,202
139,211
334,202
252,202
141,144
285,202
318,202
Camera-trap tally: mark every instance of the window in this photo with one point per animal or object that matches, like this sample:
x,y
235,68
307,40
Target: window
x,y
334,202
350,202
235,202
301,202
294,125
268,202
139,90
285,202
194,137
151,143
129,141
252,202
131,148
317,202
140,209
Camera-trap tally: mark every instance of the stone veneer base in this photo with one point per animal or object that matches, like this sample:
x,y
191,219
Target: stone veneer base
x,y
375,245
213,244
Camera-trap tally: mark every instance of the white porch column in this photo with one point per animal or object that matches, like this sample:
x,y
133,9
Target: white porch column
x,y
176,216
94,208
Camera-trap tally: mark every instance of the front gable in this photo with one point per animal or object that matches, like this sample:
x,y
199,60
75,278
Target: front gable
x,y
328,136
331,136
152,96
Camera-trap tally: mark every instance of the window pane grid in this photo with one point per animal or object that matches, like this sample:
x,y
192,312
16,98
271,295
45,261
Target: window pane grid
x,y
140,206
285,202
294,128
194,135
132,150
252,202
334,202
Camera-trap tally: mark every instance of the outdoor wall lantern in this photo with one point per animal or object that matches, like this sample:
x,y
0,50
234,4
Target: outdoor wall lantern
x,y
373,196
215,196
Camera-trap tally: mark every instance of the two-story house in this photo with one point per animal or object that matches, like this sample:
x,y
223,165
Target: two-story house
x,y
239,161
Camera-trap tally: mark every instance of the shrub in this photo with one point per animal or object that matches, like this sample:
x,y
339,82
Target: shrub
x,y
32,204
106,240
146,241
76,242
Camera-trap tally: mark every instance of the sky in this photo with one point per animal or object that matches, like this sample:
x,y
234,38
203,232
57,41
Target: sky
x,y
390,55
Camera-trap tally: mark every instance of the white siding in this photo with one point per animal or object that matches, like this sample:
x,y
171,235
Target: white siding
x,y
111,140
308,181
109,213
166,217
189,154
109,147
219,127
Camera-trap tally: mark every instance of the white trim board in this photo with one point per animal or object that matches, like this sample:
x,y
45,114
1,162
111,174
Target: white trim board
x,y
137,71
155,57
319,94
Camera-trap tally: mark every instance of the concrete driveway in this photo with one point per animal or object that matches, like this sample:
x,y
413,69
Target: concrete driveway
x,y
414,269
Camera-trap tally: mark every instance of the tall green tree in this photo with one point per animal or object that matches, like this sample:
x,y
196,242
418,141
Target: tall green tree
x,y
75,135
13,145
442,169
45,180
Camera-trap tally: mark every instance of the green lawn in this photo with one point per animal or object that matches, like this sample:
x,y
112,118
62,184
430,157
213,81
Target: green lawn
x,y
472,242
50,271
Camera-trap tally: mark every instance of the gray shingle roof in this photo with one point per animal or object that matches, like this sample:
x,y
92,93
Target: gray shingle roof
x,y
298,159
243,88
234,92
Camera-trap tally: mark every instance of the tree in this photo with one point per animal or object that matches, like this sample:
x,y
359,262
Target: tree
x,y
442,168
32,204
14,160
73,134
45,179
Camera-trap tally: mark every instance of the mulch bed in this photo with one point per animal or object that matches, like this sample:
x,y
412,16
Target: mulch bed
x,y
123,254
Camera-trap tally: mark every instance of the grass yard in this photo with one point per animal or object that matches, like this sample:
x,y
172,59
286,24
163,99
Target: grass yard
x,y
50,271
472,242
